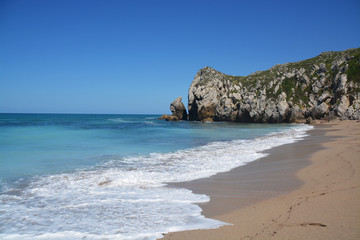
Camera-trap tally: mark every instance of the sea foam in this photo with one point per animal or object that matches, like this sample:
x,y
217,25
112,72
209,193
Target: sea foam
x,y
128,198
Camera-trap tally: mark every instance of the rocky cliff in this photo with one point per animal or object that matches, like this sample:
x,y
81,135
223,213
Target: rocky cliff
x,y
323,87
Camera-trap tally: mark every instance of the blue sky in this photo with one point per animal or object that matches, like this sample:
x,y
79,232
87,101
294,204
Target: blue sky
x,y
138,56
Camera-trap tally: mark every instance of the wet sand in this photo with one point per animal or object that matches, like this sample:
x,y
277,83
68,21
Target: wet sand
x,y
306,190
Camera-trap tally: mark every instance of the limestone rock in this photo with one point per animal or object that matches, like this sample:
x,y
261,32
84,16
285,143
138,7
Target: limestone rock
x,y
317,88
324,97
340,88
297,115
320,111
343,106
205,92
282,106
322,67
178,109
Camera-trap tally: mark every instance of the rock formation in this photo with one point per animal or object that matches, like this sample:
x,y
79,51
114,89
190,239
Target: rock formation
x,y
323,87
169,117
178,111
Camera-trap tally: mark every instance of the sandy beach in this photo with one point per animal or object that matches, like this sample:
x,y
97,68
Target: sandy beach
x,y
306,190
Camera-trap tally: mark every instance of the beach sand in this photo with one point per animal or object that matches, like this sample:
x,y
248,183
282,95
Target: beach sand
x,y
306,190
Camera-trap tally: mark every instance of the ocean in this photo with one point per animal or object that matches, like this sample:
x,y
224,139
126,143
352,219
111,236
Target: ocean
x,y
89,176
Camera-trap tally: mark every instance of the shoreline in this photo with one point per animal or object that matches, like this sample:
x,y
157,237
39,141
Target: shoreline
x,y
260,198
257,180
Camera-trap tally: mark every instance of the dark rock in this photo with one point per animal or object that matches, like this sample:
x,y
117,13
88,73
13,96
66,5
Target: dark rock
x,y
169,118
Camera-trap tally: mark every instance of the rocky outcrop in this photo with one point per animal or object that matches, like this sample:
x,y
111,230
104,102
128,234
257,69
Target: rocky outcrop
x,y
324,87
178,111
169,117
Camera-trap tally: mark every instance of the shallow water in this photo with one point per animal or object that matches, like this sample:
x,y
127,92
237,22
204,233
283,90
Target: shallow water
x,y
104,176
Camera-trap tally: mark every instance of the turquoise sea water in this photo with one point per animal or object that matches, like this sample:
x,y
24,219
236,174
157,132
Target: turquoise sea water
x,y
68,176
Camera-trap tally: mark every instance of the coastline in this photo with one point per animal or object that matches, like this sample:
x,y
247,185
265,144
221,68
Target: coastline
x,y
310,188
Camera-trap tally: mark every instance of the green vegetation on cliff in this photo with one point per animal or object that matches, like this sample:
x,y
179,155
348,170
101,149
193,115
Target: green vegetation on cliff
x,y
326,86
353,70
296,78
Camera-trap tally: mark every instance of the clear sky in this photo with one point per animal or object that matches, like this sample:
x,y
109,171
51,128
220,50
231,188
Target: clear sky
x,y
134,56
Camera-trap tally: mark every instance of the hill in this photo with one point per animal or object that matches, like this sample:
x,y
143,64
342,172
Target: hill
x,y
323,87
